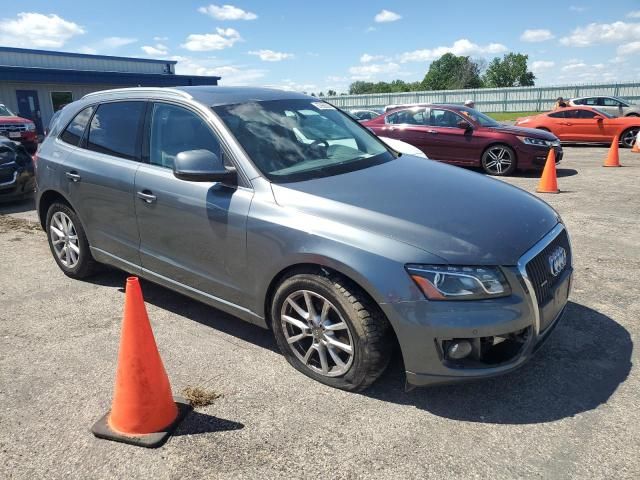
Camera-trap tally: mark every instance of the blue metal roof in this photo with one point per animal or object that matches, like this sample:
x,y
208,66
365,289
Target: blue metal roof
x,y
232,95
84,55
88,77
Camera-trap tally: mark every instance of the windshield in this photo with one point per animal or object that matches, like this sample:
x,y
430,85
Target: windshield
x,y
5,112
479,117
294,140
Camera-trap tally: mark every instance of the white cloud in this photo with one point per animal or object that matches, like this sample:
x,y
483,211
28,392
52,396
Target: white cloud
x,y
160,39
88,50
628,48
231,74
541,65
117,42
459,47
371,70
596,33
37,30
157,49
574,66
577,8
227,12
366,58
634,14
387,16
536,35
270,55
224,38
288,84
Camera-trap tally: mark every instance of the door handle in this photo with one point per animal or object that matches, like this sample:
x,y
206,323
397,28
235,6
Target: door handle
x,y
147,196
73,176
431,131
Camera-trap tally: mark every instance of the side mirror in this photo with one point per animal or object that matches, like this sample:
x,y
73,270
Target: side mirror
x,y
599,118
464,125
202,166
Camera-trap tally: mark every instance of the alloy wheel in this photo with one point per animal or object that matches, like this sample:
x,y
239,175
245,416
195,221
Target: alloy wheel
x,y
629,137
64,239
500,160
317,334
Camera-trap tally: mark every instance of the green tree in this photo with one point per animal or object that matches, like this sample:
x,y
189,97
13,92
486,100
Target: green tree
x,y
321,94
452,72
511,71
331,93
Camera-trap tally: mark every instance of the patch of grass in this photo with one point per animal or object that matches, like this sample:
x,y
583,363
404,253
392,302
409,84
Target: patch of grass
x,y
200,397
503,116
12,224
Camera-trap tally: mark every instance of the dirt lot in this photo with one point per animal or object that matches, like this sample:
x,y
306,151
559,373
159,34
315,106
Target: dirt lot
x,y
572,412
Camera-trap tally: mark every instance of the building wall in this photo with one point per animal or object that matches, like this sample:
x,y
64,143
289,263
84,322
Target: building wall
x,y
61,60
8,95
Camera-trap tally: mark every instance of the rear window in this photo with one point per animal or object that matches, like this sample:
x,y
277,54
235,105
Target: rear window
x,y
74,131
114,129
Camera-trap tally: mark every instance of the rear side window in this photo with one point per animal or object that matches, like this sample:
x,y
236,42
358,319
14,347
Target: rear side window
x,y
558,114
585,114
610,102
73,133
114,129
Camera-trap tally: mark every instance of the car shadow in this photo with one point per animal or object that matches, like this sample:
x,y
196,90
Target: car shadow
x,y
196,423
582,364
560,172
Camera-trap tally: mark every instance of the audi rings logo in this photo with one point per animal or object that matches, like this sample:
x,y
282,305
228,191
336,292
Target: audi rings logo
x,y
557,261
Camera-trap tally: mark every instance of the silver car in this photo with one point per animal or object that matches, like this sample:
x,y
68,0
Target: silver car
x,y
613,105
283,211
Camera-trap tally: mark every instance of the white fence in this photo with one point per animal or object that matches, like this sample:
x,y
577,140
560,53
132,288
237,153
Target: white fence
x,y
516,99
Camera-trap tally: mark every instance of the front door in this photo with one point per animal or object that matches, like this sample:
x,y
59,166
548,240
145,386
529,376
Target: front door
x,y
193,233
29,107
450,142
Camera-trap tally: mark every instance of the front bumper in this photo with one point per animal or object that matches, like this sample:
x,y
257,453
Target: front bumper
x,y
534,158
519,323
16,182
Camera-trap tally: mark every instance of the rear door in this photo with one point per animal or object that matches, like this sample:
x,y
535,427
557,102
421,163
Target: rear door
x,y
408,125
100,170
193,233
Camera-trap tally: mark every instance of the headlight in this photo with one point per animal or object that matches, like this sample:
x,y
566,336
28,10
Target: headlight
x,y
538,142
440,282
31,127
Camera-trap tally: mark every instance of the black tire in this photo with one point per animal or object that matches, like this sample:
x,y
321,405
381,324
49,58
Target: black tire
x,y
85,264
499,170
628,137
369,330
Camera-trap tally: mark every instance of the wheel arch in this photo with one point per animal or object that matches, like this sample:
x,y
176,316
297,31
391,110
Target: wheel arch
x,y
48,198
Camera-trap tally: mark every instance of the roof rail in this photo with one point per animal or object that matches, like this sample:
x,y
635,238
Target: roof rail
x,y
116,91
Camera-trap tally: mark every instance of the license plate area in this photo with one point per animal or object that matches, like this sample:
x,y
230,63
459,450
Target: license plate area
x,y
15,134
560,295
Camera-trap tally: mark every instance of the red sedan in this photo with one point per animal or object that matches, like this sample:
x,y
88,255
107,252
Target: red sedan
x,y
463,136
584,124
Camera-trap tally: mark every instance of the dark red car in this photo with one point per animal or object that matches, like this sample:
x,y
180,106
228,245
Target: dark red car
x,y
463,136
18,129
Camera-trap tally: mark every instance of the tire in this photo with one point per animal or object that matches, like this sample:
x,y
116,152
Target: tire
x,y
68,242
499,160
361,325
628,137
633,115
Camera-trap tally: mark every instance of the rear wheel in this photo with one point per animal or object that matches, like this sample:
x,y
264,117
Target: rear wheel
x,y
628,137
329,330
499,160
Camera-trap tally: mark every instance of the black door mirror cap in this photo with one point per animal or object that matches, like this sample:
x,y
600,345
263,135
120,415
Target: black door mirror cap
x,y
464,125
203,166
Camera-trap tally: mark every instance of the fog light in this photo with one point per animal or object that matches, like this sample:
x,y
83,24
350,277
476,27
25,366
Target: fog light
x,y
458,349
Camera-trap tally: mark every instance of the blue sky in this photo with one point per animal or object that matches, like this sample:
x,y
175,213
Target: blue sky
x,y
327,45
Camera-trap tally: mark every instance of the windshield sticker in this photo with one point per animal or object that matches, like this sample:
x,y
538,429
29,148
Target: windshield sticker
x,y
323,106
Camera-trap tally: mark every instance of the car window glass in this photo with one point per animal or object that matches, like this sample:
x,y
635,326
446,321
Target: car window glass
x,y
589,101
610,102
73,133
408,117
114,129
558,114
443,118
585,114
175,129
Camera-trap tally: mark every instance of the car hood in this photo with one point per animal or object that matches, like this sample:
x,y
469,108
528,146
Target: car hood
x,y
461,216
13,120
529,132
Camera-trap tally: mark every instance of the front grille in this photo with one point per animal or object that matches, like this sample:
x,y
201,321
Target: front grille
x,y
13,127
539,272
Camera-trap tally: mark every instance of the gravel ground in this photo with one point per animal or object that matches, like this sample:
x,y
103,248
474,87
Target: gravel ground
x,y
572,412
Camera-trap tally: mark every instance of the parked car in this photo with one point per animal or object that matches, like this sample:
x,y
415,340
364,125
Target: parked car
x,y
363,115
282,210
612,105
17,128
17,177
584,124
463,136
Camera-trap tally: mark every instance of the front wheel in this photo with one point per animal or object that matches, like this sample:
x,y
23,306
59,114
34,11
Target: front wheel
x,y
499,160
629,136
329,330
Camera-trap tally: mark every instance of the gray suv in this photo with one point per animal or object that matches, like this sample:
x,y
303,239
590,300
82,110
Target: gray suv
x,y
282,210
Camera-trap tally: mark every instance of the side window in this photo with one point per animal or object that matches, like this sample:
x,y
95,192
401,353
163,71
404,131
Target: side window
x,y
558,114
443,118
585,114
590,101
114,129
175,129
73,133
610,102
408,117
579,101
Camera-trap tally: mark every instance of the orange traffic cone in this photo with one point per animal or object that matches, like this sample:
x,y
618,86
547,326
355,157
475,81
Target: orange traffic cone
x,y
548,180
143,411
636,145
613,159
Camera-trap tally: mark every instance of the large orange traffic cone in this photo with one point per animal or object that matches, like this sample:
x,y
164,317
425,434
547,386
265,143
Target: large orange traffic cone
x,y
143,411
549,180
613,159
636,144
